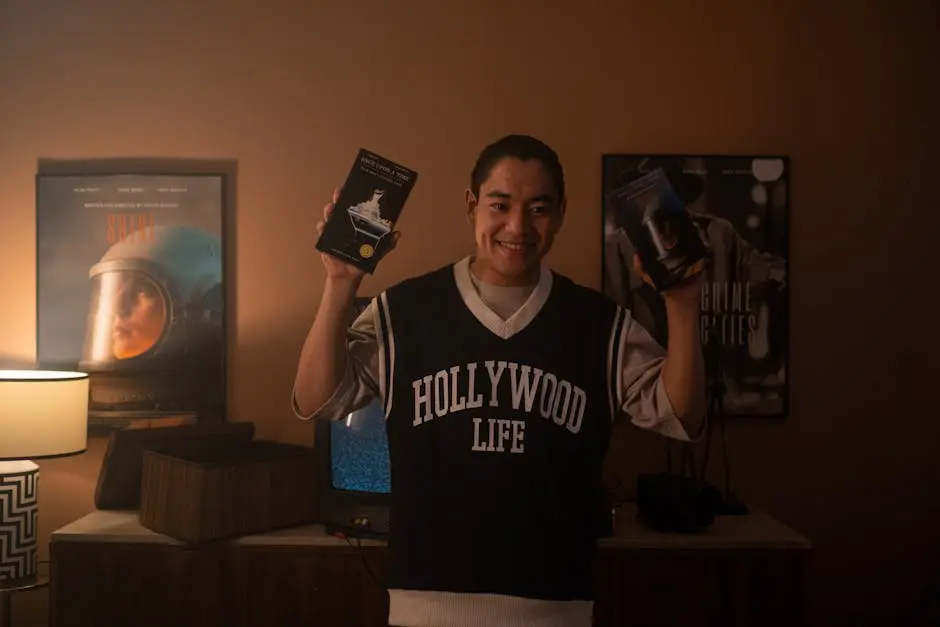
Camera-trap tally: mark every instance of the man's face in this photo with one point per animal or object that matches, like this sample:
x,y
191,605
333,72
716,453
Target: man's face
x,y
515,220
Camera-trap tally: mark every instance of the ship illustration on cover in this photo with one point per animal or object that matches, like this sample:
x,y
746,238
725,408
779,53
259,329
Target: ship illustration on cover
x,y
367,219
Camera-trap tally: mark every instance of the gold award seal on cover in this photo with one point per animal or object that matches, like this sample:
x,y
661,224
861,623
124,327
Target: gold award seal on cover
x,y
366,251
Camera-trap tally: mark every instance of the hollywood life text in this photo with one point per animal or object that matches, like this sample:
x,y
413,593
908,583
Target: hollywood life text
x,y
531,390
727,312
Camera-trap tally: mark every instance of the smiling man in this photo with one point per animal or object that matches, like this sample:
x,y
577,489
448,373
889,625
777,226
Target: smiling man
x,y
516,211
500,380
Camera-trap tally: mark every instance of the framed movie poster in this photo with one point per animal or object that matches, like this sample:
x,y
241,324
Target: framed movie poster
x,y
740,205
131,289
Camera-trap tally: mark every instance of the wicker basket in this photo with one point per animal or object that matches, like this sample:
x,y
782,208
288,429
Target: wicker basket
x,y
205,493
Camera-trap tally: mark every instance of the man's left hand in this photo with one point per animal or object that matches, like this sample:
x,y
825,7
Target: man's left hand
x,y
688,292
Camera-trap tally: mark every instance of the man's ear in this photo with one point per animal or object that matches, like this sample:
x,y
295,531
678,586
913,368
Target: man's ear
x,y
562,206
471,201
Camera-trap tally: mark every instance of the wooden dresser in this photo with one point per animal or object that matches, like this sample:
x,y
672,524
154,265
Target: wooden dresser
x,y
107,570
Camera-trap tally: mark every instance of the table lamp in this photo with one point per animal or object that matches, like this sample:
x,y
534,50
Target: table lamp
x,y
43,414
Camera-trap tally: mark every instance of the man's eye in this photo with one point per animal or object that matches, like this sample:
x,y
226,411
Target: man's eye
x,y
499,206
539,209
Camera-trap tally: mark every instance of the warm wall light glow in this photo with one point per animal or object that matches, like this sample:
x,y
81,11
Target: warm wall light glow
x,y
43,413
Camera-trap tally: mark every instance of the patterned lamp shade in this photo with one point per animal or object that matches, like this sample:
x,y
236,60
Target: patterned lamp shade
x,y
42,414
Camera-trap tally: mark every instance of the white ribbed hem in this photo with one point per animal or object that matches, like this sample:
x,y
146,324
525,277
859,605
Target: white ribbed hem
x,y
420,608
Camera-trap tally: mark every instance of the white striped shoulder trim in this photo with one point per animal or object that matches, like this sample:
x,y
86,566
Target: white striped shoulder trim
x,y
615,352
386,342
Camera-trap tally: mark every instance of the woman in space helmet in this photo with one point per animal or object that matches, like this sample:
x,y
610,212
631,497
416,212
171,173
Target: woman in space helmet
x,y
155,336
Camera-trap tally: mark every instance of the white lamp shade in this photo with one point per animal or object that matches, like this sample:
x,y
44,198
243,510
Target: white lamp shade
x,y
43,413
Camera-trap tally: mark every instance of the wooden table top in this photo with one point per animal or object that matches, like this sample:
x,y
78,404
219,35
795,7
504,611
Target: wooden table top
x,y
754,531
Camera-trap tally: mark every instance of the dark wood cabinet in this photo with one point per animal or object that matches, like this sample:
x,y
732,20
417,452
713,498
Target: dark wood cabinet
x,y
107,570
136,583
278,585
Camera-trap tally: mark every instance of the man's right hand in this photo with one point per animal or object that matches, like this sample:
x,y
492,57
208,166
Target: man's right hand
x,y
336,268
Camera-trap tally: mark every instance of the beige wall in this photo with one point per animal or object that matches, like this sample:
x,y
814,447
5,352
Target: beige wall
x,y
293,89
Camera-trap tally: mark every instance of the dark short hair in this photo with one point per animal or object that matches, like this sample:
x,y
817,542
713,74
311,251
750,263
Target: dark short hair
x,y
523,147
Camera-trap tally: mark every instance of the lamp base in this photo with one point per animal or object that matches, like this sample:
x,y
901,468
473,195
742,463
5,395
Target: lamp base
x,y
19,519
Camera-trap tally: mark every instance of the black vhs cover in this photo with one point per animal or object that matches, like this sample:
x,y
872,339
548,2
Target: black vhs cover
x,y
359,229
